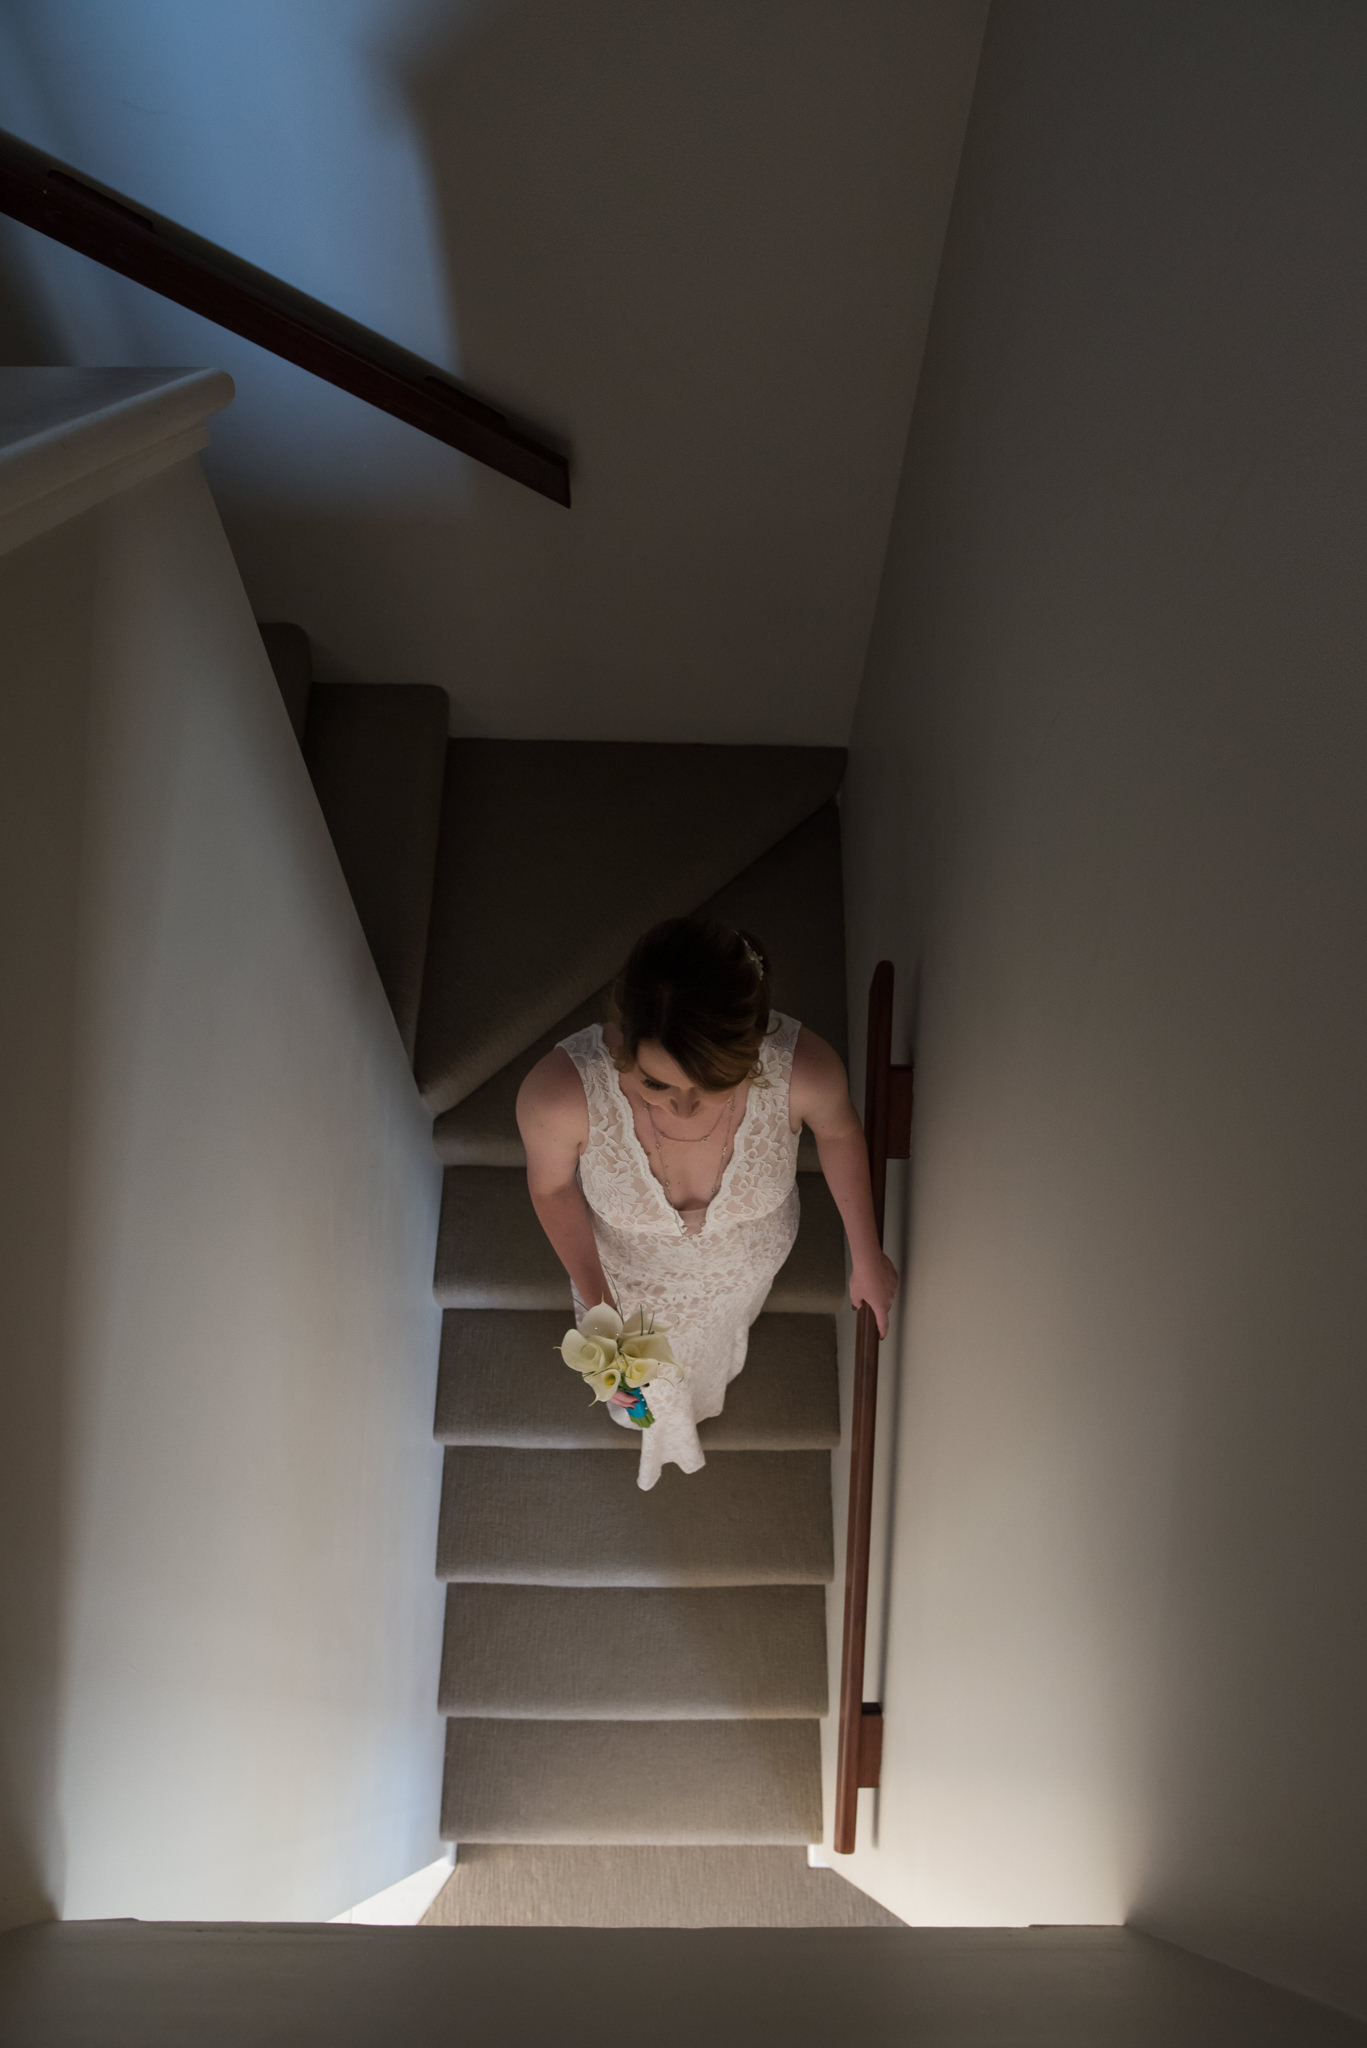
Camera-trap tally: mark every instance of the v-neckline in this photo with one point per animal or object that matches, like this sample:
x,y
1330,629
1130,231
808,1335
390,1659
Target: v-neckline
x,y
634,1135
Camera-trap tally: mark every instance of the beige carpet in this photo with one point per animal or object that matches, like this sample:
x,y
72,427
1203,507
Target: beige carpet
x,y
505,1885
520,935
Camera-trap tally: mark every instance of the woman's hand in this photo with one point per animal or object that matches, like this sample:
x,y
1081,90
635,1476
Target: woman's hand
x,y
877,1285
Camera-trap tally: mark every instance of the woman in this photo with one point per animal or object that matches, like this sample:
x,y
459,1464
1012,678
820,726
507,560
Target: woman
x,y
662,1162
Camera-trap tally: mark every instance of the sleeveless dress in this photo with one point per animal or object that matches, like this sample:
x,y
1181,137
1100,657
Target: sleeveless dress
x,y
707,1286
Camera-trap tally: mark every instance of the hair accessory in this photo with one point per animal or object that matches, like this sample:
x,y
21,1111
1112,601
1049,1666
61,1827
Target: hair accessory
x,y
752,956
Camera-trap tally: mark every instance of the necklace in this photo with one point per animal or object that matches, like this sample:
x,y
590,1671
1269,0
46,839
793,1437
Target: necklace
x,y
664,1170
674,1137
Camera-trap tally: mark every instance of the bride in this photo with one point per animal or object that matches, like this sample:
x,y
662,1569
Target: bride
x,y
662,1162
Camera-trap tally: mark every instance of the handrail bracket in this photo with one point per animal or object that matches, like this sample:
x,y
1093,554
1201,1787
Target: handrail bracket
x,y
870,1746
899,1112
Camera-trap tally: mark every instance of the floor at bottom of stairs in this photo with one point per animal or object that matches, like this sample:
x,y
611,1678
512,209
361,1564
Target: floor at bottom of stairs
x,y
497,1884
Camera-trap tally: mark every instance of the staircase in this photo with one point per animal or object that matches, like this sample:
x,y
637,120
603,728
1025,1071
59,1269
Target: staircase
x,y
618,1667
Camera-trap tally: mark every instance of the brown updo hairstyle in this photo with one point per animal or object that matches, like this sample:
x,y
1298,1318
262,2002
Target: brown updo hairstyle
x,y
690,985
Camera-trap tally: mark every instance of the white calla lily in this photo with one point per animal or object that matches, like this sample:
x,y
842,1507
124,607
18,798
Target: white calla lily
x,y
650,1350
602,1321
587,1354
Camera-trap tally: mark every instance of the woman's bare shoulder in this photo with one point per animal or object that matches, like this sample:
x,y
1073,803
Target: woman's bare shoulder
x,y
553,1120
552,1091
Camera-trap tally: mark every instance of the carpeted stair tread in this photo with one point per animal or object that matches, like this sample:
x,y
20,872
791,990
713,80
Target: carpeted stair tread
x,y
482,1129
791,898
502,1382
291,657
530,917
377,756
532,1884
616,1781
576,1518
633,1652
492,1252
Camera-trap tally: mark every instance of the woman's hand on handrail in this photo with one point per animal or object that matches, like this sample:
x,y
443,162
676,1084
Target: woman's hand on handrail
x,y
876,1284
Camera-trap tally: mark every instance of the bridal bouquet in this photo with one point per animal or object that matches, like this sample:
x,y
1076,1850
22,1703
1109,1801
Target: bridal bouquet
x,y
608,1353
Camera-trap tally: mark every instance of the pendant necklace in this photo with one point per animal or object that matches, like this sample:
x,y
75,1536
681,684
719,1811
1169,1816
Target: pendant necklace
x,y
659,1152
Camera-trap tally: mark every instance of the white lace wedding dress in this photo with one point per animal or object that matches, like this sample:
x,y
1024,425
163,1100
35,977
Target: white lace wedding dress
x,y
706,1287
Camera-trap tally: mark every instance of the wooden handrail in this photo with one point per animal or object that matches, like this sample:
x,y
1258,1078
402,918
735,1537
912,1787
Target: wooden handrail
x,y
887,1133
65,205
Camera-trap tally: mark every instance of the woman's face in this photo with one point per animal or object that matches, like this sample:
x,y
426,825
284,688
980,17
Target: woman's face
x,y
666,1086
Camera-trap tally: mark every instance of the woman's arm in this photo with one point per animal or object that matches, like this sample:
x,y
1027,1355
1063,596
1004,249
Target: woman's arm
x,y
819,1094
555,1130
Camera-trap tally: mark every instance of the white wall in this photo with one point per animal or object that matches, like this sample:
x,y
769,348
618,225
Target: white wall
x,y
45,602
1107,790
240,1703
698,242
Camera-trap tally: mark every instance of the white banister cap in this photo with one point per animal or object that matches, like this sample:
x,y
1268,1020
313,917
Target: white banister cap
x,y
72,437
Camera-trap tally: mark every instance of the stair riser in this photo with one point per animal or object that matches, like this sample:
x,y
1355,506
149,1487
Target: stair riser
x,y
788,1298
573,1518
462,1825
504,1150
632,1782
530,1652
493,1254
503,1383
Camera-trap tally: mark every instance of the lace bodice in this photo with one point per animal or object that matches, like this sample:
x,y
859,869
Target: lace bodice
x,y
616,1174
707,1286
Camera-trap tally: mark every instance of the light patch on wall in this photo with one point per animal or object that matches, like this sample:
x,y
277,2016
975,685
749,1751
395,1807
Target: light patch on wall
x,y
402,1904
278,129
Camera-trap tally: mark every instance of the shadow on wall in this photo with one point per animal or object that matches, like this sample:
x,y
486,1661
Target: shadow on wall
x,y
681,216
30,1610
1113,731
26,333
699,243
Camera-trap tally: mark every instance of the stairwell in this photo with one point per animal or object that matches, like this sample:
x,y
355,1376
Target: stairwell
x,y
619,1668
